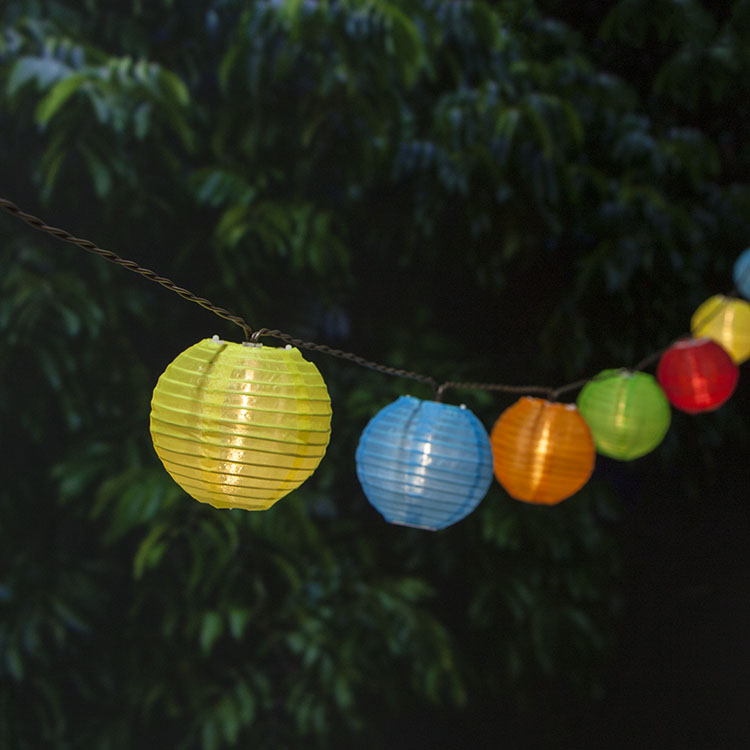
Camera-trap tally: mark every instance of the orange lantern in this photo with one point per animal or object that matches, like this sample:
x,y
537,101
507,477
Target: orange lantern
x,y
543,451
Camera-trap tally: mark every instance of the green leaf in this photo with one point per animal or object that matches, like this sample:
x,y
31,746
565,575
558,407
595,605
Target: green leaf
x,y
507,122
245,702
210,735
342,692
238,620
533,112
44,70
233,225
230,722
99,171
173,85
211,629
57,96
150,550
142,120
15,665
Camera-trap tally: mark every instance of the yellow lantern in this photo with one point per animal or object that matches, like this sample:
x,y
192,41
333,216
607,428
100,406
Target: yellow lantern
x,y
726,320
240,425
543,451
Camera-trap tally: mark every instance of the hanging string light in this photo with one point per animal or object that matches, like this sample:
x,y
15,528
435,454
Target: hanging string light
x,y
240,426
627,412
543,451
423,463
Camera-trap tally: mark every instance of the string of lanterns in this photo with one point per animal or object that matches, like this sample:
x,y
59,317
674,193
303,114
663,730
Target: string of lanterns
x,y
243,425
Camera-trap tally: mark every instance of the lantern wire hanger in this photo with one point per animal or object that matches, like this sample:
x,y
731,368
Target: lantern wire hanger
x,y
251,336
65,236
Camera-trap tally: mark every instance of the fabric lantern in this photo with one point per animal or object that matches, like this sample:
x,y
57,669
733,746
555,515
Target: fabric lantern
x,y
742,274
423,463
726,320
240,425
627,412
697,375
543,450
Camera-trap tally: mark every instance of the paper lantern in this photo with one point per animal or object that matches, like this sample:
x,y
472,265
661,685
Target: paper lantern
x,y
240,425
742,274
627,412
726,320
423,463
543,451
697,375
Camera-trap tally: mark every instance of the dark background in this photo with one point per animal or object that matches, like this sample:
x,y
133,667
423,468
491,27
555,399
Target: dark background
x,y
519,192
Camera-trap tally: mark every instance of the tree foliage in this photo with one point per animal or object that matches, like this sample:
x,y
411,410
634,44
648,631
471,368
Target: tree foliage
x,y
471,189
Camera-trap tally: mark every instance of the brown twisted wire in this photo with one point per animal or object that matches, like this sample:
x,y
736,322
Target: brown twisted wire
x,y
554,393
325,349
550,392
542,390
88,246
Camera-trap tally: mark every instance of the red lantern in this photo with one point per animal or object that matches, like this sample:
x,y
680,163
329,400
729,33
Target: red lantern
x,y
697,375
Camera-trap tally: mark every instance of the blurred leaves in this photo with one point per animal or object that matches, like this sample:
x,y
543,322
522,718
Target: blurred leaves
x,y
463,188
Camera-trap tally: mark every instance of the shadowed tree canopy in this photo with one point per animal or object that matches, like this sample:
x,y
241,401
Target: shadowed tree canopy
x,y
520,191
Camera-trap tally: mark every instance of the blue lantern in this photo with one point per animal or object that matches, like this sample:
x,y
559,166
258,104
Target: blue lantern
x,y
423,463
742,274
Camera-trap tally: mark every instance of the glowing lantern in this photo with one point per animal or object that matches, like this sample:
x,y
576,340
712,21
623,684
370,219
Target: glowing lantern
x,y
240,425
697,375
423,463
543,451
726,320
627,412
742,274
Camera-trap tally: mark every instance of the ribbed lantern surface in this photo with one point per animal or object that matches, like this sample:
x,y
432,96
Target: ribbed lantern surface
x,y
240,426
543,451
628,413
424,463
726,320
697,375
741,273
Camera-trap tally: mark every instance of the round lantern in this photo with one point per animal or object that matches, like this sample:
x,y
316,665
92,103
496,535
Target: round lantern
x,y
726,320
423,463
543,451
627,412
240,425
742,274
697,375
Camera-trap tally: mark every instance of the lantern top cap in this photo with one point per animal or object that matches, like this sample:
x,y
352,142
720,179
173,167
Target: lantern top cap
x,y
432,403
534,399
618,372
250,344
730,300
550,404
687,343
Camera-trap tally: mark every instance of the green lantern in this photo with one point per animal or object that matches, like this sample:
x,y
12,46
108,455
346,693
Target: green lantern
x,y
627,412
